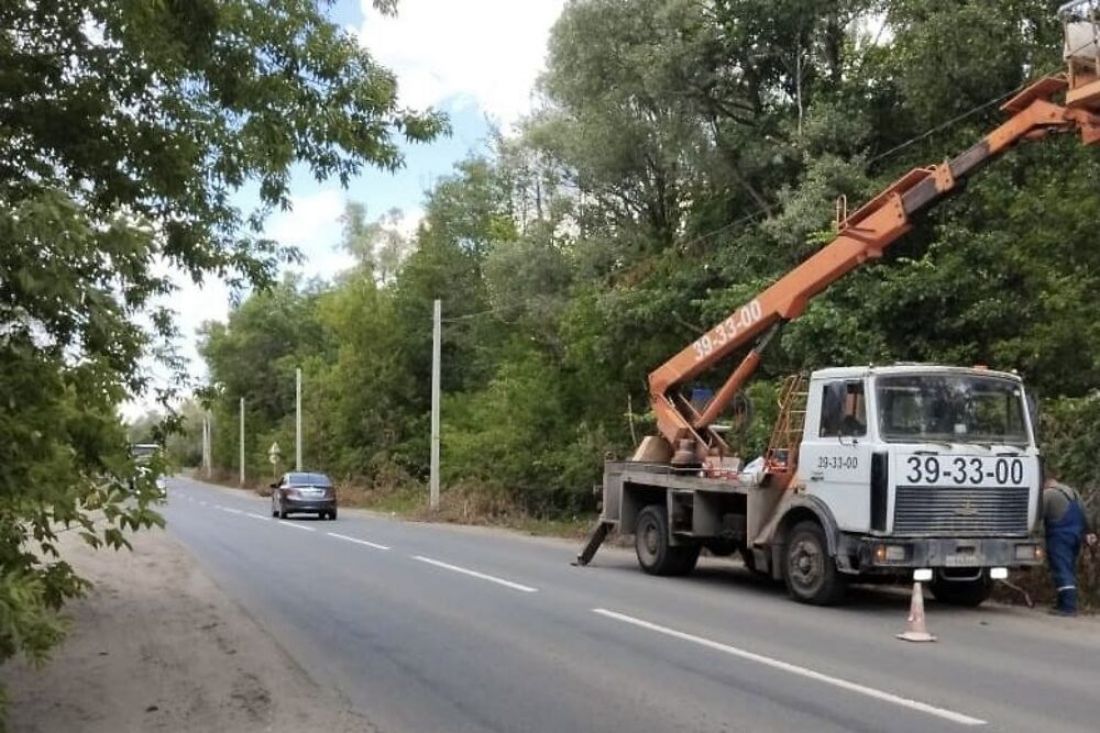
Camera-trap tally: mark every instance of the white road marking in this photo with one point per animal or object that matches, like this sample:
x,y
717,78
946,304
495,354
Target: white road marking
x,y
475,574
230,510
257,516
795,669
344,537
297,526
202,503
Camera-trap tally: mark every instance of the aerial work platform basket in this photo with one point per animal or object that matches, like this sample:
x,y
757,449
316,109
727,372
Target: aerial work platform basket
x,y
1081,23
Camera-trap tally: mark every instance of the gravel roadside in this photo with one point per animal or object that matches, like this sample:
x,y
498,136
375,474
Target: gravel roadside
x,y
157,646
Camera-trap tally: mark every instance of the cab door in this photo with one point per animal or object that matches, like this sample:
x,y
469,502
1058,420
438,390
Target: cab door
x,y
835,458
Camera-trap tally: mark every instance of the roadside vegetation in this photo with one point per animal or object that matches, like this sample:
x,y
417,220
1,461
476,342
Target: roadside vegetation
x,y
682,155
125,130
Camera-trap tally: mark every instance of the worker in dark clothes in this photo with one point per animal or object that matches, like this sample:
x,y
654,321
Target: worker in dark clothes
x,y
1066,524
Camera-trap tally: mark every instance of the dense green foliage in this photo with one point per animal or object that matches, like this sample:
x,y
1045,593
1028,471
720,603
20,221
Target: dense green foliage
x,y
125,127
687,154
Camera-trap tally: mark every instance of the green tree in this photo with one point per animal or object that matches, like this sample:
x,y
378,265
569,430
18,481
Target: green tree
x,y
125,130
686,155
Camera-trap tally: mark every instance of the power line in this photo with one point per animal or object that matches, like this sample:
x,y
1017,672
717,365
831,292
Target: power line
x,y
700,238
469,316
953,121
882,156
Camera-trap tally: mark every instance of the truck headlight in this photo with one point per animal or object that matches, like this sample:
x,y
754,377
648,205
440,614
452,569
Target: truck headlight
x,y
890,553
1029,552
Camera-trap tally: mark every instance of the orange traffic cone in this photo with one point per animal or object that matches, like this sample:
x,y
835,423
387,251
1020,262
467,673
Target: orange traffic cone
x,y
915,629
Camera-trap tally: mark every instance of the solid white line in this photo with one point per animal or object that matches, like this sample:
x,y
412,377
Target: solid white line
x,y
795,669
257,516
344,537
297,526
475,574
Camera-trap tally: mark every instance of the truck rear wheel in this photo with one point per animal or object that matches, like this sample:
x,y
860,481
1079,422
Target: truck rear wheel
x,y
967,593
809,572
651,543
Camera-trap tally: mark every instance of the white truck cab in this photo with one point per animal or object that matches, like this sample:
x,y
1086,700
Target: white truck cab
x,y
923,467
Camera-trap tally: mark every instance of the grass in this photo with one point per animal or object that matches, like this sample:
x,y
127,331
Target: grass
x,y
460,505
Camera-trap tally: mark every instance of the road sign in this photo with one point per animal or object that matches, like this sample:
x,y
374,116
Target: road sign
x,y
274,452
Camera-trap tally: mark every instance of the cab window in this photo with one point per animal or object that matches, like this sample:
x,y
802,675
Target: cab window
x,y
843,409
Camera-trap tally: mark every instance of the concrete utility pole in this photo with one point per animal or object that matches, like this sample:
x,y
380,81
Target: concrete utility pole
x,y
242,442
437,329
207,459
298,421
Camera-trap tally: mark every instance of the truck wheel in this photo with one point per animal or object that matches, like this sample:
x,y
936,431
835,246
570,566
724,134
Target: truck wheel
x,y
809,572
968,593
655,554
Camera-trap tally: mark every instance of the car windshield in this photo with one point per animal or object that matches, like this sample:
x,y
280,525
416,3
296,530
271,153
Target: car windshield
x,y
951,408
308,479
144,452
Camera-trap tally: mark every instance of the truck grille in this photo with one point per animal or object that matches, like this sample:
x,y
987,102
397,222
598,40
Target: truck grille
x,y
993,510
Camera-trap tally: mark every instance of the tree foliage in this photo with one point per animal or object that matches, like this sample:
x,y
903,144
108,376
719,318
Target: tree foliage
x,y
125,129
684,156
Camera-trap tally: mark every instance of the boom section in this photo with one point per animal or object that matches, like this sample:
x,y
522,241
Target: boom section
x,y
861,236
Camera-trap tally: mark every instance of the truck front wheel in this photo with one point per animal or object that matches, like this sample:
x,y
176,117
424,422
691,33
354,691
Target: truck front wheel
x,y
651,542
809,572
968,593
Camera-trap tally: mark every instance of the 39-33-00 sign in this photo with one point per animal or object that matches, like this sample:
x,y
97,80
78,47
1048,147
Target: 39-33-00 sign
x,y
962,471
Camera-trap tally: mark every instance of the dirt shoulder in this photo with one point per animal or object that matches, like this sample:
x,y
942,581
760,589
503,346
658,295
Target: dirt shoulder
x,y
156,645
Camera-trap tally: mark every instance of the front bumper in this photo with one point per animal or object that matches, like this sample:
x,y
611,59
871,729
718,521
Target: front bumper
x,y
885,553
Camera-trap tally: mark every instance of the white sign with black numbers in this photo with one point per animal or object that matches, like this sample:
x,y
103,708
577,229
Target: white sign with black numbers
x,y
953,470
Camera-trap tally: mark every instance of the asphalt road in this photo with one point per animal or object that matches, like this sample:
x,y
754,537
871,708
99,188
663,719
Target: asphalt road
x,y
428,628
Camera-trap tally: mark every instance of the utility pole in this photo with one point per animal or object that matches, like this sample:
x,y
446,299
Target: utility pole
x,y
242,442
207,459
298,421
437,329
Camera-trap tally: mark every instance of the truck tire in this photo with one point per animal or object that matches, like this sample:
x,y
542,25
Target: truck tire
x,y
651,543
966,593
810,574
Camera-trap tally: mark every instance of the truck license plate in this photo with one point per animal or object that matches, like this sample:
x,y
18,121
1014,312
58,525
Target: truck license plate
x,y
961,560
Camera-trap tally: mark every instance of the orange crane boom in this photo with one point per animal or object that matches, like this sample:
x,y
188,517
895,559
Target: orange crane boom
x,y
860,237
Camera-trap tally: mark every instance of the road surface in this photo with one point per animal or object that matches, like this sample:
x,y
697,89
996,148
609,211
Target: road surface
x,y
431,628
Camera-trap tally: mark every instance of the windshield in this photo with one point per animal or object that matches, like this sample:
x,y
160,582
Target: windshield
x,y
143,452
951,408
308,479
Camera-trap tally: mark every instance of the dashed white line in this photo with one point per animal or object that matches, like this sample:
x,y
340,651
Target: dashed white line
x,y
230,510
357,541
475,574
795,669
297,526
202,503
257,516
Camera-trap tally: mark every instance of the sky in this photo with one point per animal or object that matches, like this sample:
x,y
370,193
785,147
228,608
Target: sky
x,y
476,60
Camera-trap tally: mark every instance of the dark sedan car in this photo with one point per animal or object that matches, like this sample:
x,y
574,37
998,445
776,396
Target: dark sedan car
x,y
300,492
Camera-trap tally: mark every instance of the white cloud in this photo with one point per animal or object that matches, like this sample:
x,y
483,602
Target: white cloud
x,y
488,52
313,226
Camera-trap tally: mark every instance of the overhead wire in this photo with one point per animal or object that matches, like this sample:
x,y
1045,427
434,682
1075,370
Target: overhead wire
x,y
757,214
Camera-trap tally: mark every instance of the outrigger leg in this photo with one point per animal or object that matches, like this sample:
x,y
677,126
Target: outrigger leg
x,y
595,539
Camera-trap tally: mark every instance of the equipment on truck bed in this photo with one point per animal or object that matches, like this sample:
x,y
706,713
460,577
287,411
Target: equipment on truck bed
x,y
870,470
